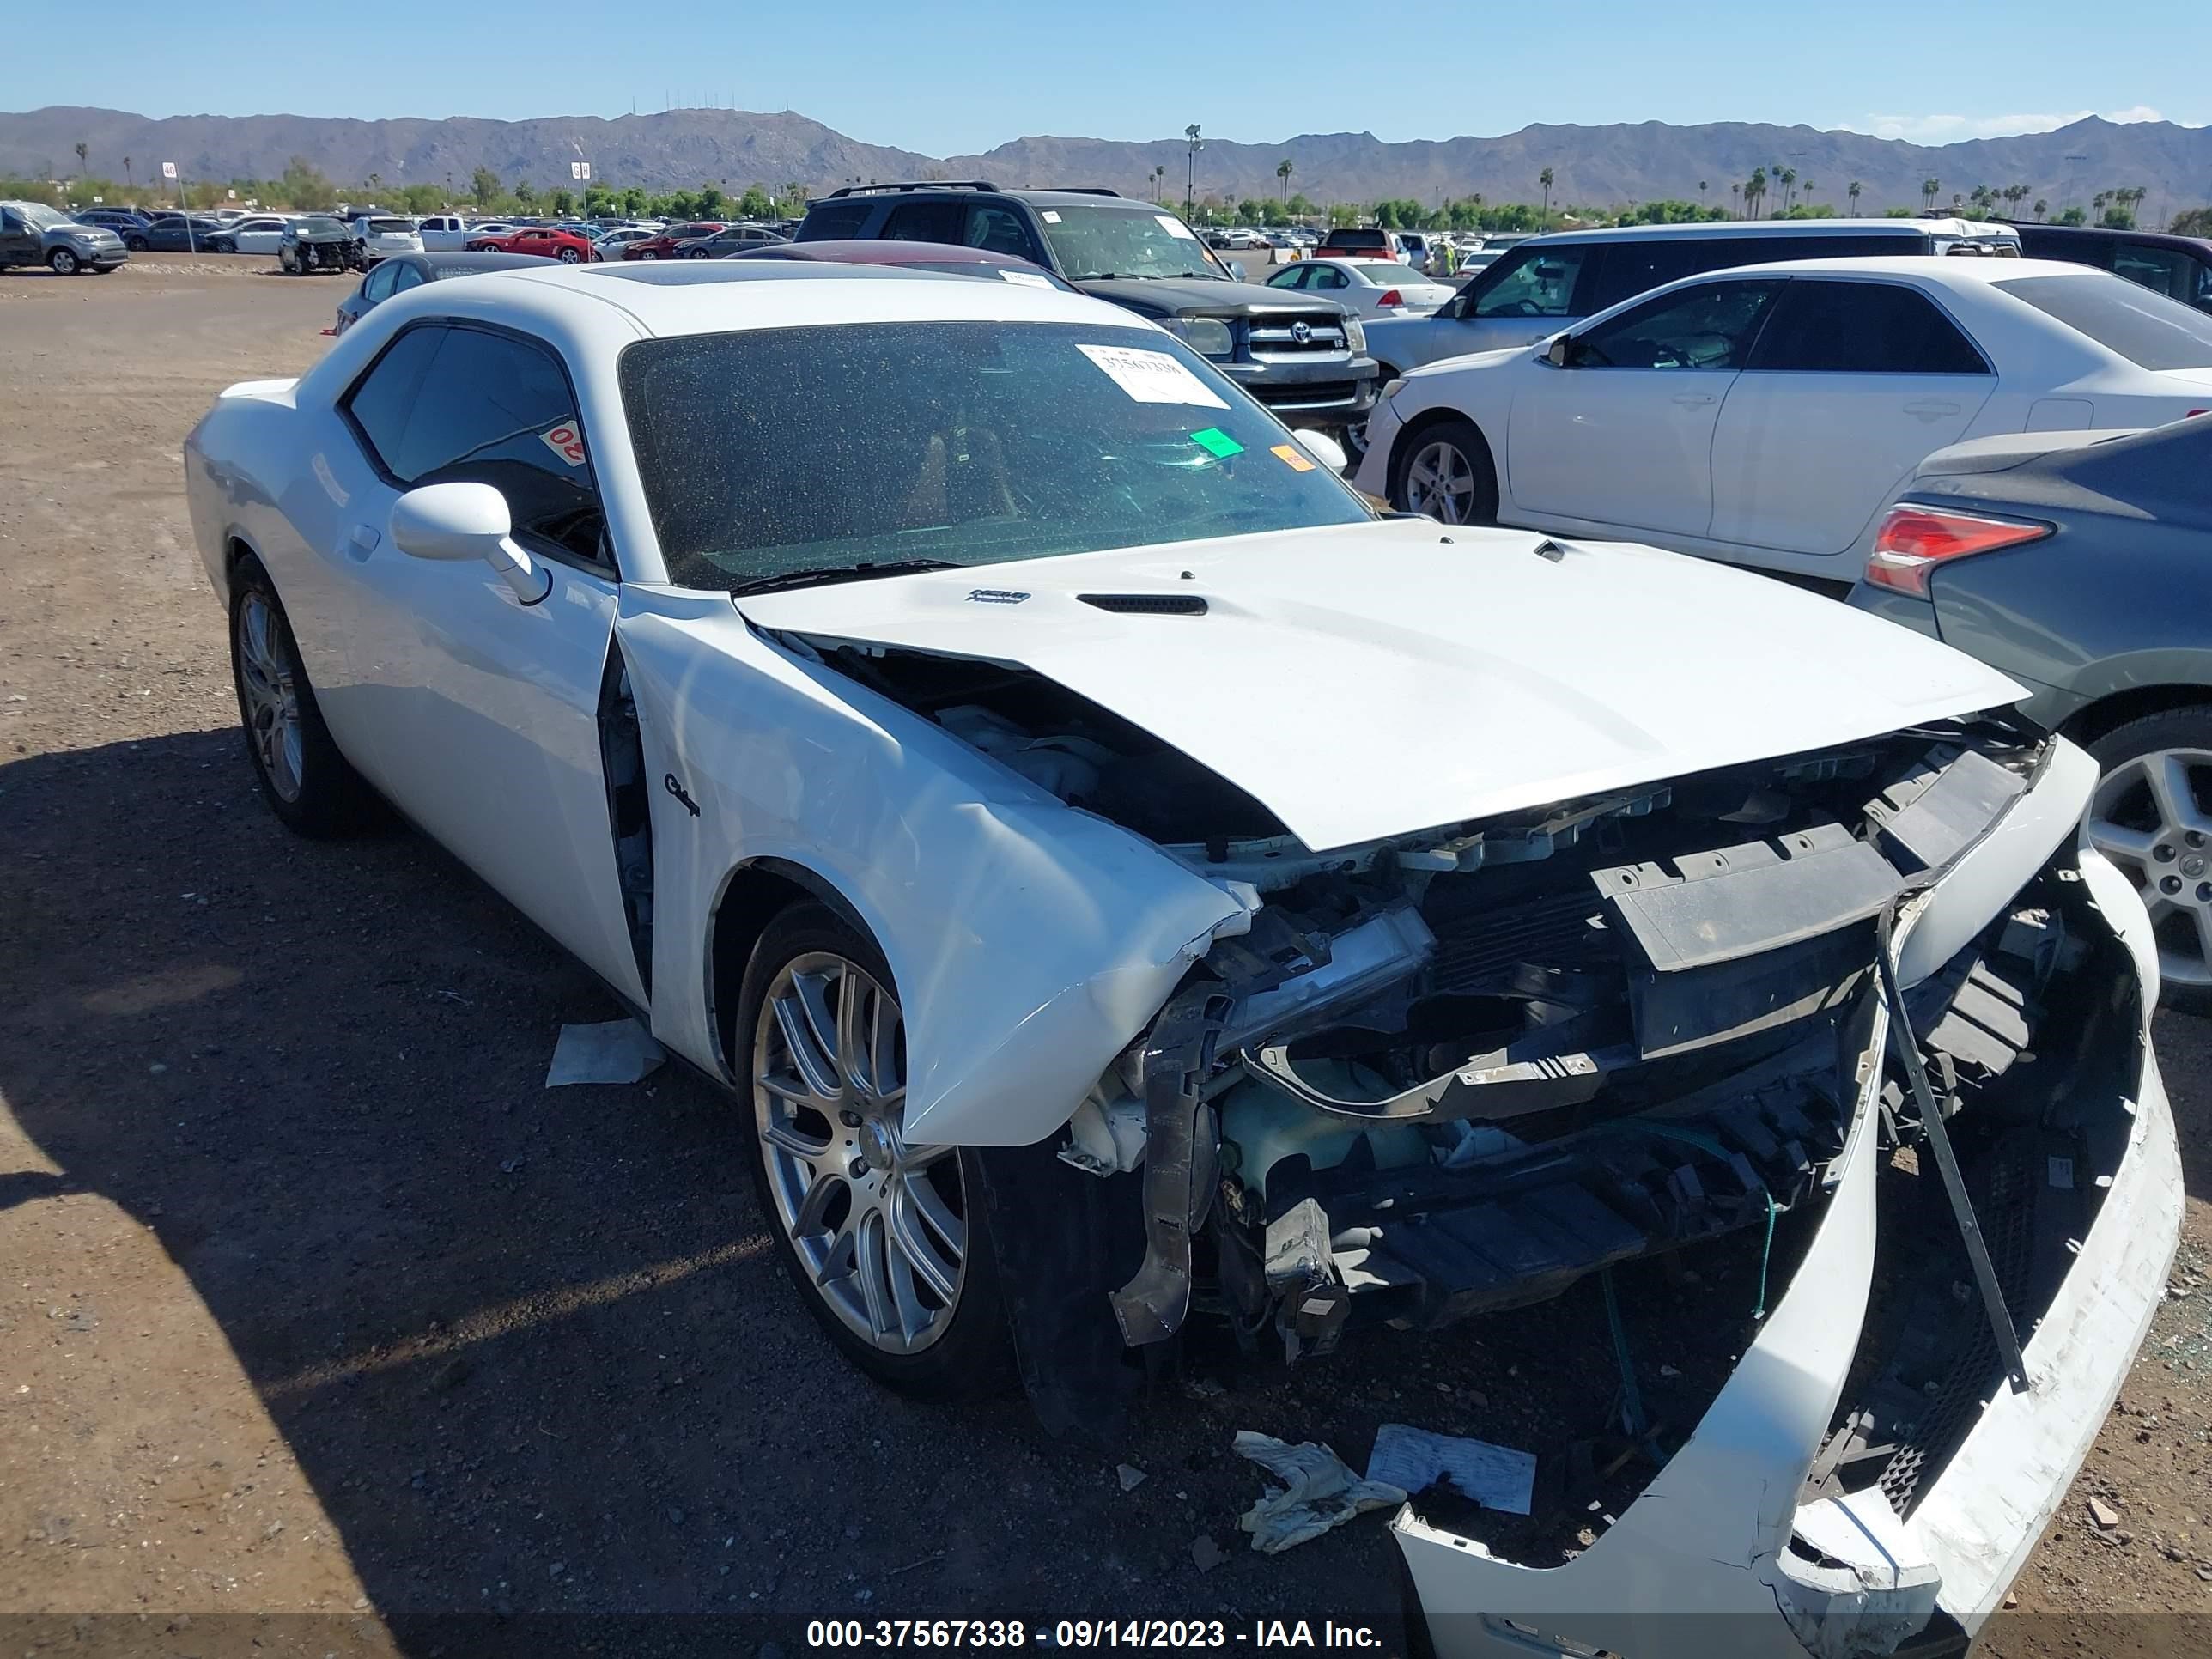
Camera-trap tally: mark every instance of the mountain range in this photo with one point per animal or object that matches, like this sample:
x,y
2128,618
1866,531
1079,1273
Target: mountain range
x,y
1600,166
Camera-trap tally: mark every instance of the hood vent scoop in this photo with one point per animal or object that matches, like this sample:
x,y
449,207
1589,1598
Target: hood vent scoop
x,y
1147,605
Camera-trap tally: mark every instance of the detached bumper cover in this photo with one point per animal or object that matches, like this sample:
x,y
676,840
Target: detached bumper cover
x,y
1703,1561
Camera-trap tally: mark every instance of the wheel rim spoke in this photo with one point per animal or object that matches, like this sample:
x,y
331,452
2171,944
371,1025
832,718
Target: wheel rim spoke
x,y
880,1228
2118,841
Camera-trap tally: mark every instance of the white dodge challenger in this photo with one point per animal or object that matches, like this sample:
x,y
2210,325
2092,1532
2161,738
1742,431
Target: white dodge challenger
x,y
1126,880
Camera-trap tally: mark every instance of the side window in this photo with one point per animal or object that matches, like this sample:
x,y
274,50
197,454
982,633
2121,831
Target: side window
x,y
923,222
1326,277
382,399
1532,281
1291,276
376,286
485,408
999,230
830,222
10,220
2164,269
1709,327
1862,328
404,277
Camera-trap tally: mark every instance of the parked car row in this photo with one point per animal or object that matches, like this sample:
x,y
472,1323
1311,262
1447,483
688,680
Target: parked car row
x,y
1415,919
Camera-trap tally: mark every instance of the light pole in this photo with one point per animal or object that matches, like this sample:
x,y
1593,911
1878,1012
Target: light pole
x,y
1197,143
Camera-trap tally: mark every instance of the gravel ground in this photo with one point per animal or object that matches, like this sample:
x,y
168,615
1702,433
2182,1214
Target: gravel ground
x,y
317,1301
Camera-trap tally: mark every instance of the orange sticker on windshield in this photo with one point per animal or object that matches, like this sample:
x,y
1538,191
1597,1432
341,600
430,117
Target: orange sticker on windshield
x,y
565,441
1289,455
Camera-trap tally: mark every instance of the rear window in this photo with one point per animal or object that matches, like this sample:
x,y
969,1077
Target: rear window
x,y
391,226
2147,329
1385,274
830,222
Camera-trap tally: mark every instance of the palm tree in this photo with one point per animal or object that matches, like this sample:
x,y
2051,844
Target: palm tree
x,y
1159,173
1544,180
1735,191
1755,191
1190,136
83,153
1283,171
1853,193
2042,207
1805,192
127,185
1788,176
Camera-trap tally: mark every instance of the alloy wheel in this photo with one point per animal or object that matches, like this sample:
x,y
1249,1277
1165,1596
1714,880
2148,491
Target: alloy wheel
x,y
1440,483
272,704
880,1225
63,261
2149,817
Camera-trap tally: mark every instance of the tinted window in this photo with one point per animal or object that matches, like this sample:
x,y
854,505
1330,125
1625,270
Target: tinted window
x,y
1531,281
1707,326
924,222
2147,329
2168,270
998,229
970,442
1291,276
1862,328
481,408
830,220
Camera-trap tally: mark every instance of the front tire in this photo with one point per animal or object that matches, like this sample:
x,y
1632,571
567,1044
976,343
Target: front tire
x,y
886,1241
63,263
1445,469
2152,816
311,787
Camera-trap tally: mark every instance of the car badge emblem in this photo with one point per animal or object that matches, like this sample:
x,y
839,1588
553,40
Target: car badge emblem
x,y
1301,333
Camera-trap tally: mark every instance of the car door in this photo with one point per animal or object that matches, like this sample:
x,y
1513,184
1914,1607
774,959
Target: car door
x,y
481,712
19,243
1852,384
1622,434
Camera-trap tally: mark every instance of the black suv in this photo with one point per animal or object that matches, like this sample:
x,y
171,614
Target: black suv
x,y
1304,357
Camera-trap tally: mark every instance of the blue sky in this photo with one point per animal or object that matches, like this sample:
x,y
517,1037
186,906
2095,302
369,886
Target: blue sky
x,y
948,79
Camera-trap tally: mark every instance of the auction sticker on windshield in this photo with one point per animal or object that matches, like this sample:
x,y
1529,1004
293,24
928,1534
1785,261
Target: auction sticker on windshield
x,y
565,441
1174,226
1151,377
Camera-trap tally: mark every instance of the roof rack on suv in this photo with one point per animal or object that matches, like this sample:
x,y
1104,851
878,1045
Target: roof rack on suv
x,y
915,183
1083,190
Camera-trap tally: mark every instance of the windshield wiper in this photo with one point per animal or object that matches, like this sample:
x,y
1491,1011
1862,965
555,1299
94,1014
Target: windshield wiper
x,y
820,575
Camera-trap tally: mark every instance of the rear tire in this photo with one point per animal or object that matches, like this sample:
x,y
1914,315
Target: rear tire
x,y
311,787
2152,816
1443,469
137,245
569,256
818,1046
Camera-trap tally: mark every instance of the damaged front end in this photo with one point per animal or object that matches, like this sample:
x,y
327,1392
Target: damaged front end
x,y
1869,1015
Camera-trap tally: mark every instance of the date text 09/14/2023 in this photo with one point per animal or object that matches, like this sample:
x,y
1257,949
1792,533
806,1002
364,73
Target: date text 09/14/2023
x,y
1162,1633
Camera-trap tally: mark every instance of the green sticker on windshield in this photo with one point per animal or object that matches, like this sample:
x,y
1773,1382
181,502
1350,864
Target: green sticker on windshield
x,y
1214,441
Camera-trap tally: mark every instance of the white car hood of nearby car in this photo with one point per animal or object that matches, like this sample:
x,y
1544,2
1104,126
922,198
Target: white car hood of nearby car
x,y
1374,680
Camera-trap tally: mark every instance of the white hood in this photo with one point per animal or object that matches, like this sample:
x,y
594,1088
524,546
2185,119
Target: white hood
x,y
1372,680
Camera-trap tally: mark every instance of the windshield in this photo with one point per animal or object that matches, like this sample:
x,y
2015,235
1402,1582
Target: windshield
x,y
2147,329
38,216
968,442
1091,242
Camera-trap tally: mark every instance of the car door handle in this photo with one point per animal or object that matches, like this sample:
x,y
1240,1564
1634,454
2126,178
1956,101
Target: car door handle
x,y
1693,399
1929,409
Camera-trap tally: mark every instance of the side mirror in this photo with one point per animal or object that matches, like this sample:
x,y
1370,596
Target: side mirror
x,y
1556,354
456,522
1324,449
1236,270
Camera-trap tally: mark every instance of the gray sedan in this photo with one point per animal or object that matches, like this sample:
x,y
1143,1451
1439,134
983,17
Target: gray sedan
x,y
402,271
2080,564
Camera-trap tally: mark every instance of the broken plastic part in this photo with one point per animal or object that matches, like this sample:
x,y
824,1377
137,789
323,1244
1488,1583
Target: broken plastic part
x,y
1178,1181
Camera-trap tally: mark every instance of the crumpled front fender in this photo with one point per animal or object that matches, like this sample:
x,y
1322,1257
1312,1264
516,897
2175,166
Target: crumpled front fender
x,y
1030,942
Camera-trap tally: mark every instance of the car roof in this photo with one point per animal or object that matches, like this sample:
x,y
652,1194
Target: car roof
x,y
714,296
972,192
2088,234
1898,227
458,264
1947,272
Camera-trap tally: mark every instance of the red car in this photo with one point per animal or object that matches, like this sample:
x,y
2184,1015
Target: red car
x,y
669,244
543,240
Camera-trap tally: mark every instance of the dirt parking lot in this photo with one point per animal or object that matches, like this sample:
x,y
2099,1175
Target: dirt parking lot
x,y
316,1302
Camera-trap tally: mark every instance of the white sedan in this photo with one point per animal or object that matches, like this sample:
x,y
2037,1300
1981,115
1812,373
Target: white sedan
x,y
258,233
1095,851
1762,415
610,245
1367,287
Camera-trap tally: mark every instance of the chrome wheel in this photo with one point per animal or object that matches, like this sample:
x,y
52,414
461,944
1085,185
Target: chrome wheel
x,y
879,1226
1440,482
569,256
272,703
2150,818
